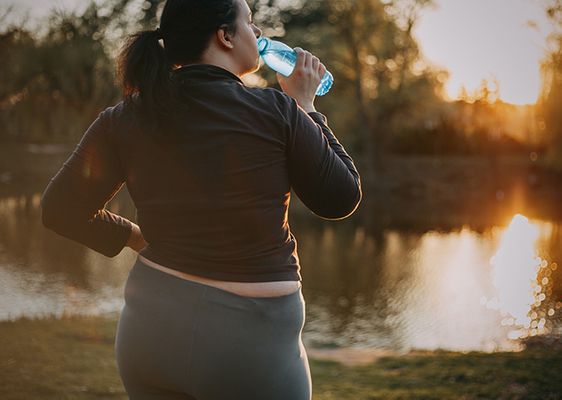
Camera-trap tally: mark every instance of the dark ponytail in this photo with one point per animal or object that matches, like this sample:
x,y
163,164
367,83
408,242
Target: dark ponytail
x,y
145,66
144,72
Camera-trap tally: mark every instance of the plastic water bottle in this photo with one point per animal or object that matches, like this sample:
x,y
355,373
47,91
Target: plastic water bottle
x,y
281,58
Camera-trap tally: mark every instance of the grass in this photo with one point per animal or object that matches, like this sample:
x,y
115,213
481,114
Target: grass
x,y
73,358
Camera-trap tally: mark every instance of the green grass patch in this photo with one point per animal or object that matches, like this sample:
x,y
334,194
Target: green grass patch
x,y
73,358
70,358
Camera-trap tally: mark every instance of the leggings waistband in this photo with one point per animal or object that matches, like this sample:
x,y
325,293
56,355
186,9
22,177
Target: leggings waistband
x,y
208,291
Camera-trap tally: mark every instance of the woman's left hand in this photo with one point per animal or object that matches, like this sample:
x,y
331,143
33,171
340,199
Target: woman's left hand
x,y
136,240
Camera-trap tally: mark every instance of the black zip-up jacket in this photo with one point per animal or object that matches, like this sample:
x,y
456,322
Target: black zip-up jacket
x,y
216,203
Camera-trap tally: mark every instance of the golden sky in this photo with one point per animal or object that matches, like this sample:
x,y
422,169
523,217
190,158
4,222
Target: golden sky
x,y
486,39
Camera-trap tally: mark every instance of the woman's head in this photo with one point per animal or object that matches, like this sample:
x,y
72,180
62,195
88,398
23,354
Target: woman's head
x,y
187,26
218,32
210,31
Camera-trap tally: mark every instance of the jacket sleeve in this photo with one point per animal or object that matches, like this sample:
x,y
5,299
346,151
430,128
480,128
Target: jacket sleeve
x,y
73,203
321,173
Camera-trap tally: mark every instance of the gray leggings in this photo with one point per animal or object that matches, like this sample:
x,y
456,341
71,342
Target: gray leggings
x,y
179,339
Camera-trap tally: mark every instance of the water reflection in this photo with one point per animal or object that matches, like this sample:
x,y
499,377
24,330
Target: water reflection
x,y
460,290
516,269
425,290
42,273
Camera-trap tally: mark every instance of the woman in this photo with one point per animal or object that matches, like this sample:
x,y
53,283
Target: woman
x,y
213,305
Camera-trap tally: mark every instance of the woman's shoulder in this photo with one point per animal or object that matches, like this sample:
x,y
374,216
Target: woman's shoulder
x,y
119,112
115,120
123,106
271,97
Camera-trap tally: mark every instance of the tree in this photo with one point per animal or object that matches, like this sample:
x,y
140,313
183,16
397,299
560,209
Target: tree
x,y
65,74
149,13
550,101
379,78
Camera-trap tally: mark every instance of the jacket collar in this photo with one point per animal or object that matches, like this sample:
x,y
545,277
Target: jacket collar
x,y
204,72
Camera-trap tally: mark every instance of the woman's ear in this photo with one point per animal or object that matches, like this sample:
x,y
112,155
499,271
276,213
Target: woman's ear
x,y
224,37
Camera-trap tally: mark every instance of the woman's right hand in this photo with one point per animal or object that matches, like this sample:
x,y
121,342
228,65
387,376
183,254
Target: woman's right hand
x,y
304,80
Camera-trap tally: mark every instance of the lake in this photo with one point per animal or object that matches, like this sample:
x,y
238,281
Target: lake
x,y
397,288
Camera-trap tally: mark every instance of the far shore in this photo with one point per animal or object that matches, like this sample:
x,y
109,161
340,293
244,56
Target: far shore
x,y
412,192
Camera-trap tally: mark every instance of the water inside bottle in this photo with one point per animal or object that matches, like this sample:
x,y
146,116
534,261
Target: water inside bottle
x,y
283,61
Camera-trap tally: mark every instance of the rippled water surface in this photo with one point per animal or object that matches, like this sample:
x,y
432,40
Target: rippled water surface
x,y
400,289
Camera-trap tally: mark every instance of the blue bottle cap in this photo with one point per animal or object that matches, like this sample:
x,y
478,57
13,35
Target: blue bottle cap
x,y
263,44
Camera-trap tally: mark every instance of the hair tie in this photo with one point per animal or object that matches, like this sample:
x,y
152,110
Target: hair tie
x,y
158,33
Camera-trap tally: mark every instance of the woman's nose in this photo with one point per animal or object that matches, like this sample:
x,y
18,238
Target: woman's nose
x,y
257,31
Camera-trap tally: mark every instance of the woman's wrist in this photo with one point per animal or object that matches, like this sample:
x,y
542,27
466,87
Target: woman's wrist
x,y
308,107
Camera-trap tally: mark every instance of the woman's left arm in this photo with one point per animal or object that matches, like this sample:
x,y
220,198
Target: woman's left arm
x,y
73,204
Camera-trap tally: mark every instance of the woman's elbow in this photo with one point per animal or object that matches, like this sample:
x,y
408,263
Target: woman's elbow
x,y
342,209
352,206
